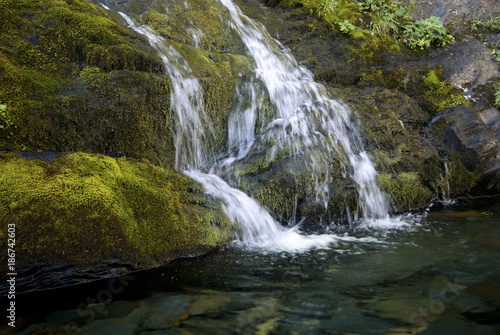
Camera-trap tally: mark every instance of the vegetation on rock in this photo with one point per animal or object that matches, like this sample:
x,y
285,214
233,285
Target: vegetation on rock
x,y
84,208
438,95
448,178
405,190
384,17
67,68
480,27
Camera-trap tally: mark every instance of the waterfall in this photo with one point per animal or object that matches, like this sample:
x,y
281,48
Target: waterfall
x,y
256,226
446,188
315,118
308,121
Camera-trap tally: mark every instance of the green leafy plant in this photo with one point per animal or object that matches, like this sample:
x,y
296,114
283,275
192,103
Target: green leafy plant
x,y
346,26
388,17
385,17
497,96
496,52
478,25
423,33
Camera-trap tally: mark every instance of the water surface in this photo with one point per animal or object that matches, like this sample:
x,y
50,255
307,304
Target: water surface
x,y
439,274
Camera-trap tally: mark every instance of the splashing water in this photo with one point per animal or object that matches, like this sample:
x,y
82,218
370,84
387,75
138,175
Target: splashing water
x,y
257,228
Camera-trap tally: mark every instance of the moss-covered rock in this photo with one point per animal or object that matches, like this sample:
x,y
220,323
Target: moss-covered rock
x,y
74,80
199,23
83,208
405,191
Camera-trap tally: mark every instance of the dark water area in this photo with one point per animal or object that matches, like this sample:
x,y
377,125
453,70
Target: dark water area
x,y
440,274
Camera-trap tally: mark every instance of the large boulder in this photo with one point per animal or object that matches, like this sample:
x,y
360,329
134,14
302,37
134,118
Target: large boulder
x,y
475,135
93,210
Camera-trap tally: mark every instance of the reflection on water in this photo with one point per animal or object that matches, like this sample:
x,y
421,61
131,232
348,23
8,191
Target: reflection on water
x,y
440,276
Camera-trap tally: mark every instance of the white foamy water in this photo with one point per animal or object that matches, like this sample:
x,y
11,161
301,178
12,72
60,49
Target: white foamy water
x,y
257,228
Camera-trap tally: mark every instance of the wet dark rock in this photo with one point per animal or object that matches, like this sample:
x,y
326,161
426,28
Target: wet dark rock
x,y
46,275
475,134
466,64
456,12
45,156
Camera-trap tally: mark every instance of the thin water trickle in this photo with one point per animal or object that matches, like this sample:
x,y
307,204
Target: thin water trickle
x,y
186,102
447,191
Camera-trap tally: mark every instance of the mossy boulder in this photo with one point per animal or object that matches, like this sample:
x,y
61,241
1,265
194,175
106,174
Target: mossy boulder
x,y
74,80
405,190
84,209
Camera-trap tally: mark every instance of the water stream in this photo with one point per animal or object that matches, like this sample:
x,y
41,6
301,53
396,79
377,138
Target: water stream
x,y
307,121
186,102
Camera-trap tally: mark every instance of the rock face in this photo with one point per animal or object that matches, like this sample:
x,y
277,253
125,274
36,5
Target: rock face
x,y
475,135
468,62
457,12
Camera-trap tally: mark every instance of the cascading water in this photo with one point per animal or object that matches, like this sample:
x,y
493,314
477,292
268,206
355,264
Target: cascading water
x,y
308,122
187,102
301,103
257,227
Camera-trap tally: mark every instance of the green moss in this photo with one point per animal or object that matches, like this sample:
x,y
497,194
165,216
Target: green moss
x,y
343,201
44,46
336,13
175,22
405,190
431,80
448,178
393,79
85,208
371,49
434,93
